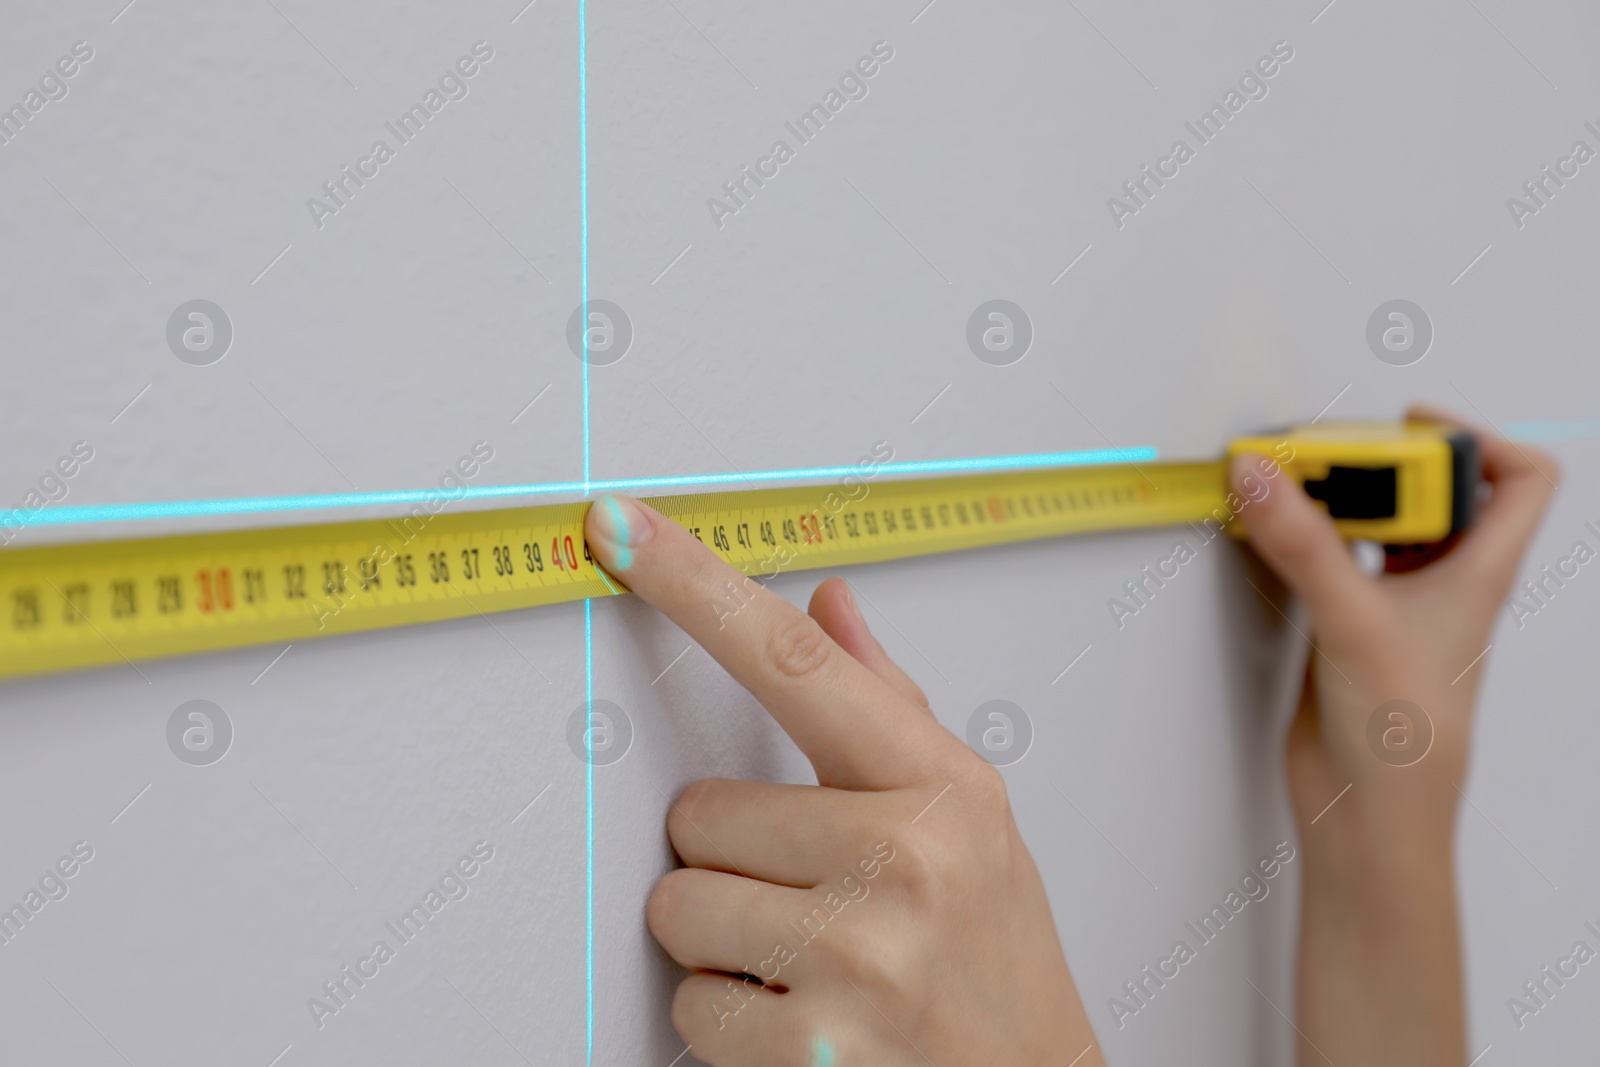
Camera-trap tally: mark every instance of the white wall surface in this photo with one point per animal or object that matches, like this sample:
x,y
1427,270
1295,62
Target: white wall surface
x,y
823,316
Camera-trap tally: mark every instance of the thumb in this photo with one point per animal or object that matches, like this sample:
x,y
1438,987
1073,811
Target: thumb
x,y
833,605
1297,539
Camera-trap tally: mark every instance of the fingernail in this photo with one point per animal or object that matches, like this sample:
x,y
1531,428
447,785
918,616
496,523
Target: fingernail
x,y
850,598
621,525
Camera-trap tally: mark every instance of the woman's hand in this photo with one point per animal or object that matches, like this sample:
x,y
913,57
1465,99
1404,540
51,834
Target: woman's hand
x,y
890,914
1417,637
1376,756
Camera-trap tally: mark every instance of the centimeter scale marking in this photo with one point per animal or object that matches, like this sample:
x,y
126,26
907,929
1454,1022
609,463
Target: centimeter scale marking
x,y
99,603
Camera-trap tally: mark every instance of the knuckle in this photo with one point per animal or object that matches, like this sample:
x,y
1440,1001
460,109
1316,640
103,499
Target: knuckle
x,y
694,808
985,790
896,972
888,964
664,909
798,648
915,869
695,799
690,1009
705,1007
978,828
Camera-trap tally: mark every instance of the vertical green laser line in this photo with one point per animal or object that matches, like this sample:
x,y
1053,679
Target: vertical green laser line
x,y
588,607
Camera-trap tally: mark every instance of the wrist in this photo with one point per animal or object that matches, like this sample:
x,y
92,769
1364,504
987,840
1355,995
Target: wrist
x,y
1380,958
1394,817
1396,869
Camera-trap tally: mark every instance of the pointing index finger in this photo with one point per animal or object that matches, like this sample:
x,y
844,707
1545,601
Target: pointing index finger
x,y
857,730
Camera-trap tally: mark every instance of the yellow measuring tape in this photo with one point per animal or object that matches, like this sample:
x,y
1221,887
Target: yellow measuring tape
x,y
97,603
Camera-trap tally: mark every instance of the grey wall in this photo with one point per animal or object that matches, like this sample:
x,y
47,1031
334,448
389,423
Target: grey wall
x,y
824,315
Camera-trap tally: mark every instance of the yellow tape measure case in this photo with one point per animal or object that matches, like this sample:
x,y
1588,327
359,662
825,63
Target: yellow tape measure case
x,y
1414,483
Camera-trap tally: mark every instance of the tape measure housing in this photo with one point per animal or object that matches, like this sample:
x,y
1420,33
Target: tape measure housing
x,y
1415,483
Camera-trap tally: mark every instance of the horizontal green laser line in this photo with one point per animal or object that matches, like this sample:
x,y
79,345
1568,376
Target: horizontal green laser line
x,y
175,509
1540,430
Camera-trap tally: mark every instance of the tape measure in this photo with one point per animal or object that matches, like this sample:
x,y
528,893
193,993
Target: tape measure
x,y
107,602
